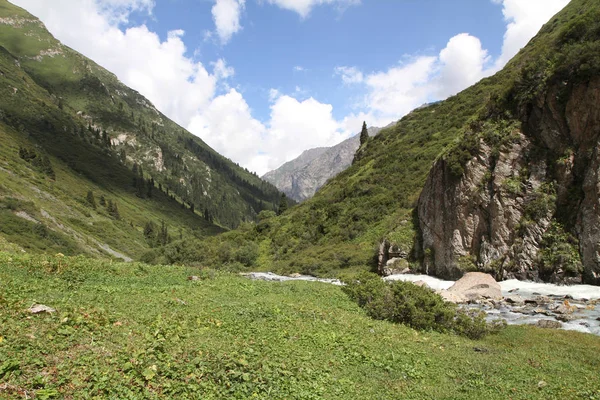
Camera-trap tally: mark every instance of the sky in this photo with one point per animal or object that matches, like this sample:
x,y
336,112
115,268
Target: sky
x,y
261,81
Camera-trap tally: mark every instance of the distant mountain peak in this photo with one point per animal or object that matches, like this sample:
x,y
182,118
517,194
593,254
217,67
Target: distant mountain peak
x,y
300,178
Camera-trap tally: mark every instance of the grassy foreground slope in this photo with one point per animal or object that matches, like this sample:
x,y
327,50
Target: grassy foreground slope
x,y
130,330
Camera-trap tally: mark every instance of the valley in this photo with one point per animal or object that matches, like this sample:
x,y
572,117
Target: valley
x,y
137,261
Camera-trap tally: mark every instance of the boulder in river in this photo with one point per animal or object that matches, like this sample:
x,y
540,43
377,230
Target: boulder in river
x,y
477,285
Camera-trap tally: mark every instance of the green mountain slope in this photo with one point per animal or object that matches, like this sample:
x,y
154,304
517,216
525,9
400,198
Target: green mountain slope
x,y
60,109
375,199
86,94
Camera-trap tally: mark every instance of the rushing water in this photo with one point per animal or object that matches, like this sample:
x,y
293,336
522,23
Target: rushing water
x,y
585,318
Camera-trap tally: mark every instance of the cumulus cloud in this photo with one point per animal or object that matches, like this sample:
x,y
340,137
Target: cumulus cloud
x,y
525,18
462,63
349,75
299,125
228,127
221,70
226,14
294,126
304,7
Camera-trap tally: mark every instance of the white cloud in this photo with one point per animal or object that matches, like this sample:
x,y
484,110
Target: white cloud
x,y
299,68
304,7
228,127
226,14
349,75
221,70
299,125
525,18
463,62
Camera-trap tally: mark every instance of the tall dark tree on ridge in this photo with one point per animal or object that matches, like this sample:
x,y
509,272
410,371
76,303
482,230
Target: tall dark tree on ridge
x,y
283,204
364,134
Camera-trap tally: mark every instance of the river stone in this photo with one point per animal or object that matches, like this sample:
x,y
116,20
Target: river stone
x,y
515,299
548,323
477,285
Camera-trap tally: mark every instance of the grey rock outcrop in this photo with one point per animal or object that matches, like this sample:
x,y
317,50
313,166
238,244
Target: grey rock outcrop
x,y
300,178
494,216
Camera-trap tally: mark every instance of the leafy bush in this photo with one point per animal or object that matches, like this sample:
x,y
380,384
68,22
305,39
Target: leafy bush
x,y
415,306
559,253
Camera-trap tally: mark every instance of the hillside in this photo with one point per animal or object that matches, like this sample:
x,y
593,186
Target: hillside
x,y
130,330
354,219
69,127
300,178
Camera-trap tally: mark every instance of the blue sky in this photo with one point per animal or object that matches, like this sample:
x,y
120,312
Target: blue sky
x,y
263,80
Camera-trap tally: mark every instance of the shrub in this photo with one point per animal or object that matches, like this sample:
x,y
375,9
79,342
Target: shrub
x,y
415,306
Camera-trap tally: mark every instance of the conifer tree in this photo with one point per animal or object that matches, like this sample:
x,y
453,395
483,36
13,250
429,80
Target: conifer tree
x,y
102,200
163,235
283,204
150,185
150,233
364,134
47,167
90,199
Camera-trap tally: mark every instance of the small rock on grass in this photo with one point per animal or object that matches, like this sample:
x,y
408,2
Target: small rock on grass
x,y
40,308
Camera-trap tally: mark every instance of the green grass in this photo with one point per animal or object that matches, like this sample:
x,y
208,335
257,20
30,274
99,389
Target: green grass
x,y
140,331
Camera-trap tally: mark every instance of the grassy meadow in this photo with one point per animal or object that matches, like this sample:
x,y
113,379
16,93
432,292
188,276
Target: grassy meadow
x,y
136,331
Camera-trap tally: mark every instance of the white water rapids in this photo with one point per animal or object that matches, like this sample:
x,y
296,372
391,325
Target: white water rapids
x,y
586,320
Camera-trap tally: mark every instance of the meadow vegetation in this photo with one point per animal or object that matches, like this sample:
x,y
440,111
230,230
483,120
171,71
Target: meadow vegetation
x,y
132,330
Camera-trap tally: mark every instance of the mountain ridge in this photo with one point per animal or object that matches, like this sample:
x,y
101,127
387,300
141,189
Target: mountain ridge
x,y
300,178
121,171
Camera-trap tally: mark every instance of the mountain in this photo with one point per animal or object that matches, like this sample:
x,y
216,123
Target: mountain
x,y
300,178
502,178
91,166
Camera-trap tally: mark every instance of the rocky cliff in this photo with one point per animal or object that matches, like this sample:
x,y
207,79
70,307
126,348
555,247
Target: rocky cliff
x,y
526,203
300,178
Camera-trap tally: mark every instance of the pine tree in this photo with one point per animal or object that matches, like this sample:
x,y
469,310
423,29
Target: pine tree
x,y
283,204
163,235
364,134
150,185
90,199
102,200
134,171
113,210
150,233
47,168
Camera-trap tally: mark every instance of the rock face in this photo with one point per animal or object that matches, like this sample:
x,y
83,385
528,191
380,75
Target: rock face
x,y
300,178
538,191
